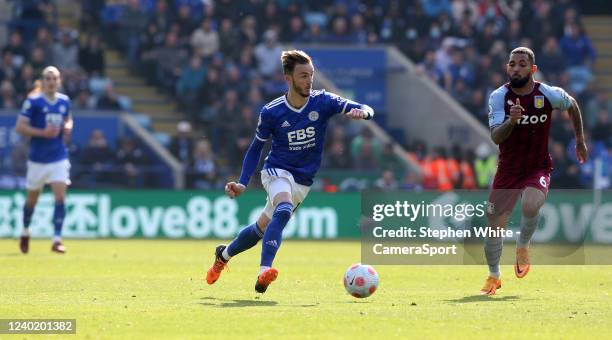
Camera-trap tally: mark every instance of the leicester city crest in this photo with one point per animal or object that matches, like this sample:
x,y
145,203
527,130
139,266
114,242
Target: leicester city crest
x,y
313,115
538,102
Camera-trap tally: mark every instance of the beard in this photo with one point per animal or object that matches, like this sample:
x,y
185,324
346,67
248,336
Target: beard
x,y
519,82
302,93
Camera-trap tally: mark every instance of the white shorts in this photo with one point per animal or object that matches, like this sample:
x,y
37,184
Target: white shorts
x,y
279,180
39,174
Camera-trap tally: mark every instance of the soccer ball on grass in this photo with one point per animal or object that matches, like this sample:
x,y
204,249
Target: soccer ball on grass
x,y
361,280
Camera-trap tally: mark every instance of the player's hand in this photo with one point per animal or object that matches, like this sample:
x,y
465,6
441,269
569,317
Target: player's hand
x,y
356,114
516,111
51,131
233,189
582,153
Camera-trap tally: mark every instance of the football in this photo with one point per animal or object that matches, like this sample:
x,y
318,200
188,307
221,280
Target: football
x,y
361,280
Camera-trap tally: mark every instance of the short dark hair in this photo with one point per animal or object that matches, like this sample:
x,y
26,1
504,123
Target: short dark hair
x,y
524,50
292,58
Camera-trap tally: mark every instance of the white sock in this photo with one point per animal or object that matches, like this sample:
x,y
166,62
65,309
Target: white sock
x,y
225,255
57,239
495,275
263,269
25,232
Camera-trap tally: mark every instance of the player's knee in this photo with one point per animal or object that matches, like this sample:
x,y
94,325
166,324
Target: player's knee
x,y
530,210
283,211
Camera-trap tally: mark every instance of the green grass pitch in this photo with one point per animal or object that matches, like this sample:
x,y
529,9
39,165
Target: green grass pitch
x,y
152,289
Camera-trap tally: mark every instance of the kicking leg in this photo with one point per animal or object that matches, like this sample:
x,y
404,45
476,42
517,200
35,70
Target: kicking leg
x,y
531,202
28,211
246,239
59,212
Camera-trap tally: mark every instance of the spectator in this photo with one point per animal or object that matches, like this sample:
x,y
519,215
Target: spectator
x,y
228,39
577,47
38,60
267,54
161,17
91,57
365,150
132,22
551,61
131,161
602,132
205,40
337,157
26,81
83,101
7,95
181,145
386,182
44,41
389,161
203,171
66,53
98,159
485,166
594,106
169,60
565,173
110,99
17,49
190,84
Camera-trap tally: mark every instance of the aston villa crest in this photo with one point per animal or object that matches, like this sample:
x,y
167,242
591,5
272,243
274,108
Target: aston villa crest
x,y
538,102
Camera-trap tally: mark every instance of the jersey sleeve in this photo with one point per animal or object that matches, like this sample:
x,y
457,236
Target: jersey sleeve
x,y
27,108
340,105
559,99
264,127
496,108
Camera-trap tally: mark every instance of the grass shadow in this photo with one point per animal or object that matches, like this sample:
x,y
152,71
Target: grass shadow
x,y
11,254
484,298
221,303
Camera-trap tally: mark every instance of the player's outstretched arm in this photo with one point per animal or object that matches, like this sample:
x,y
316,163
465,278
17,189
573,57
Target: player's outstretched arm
x,y
501,132
581,149
23,127
251,159
364,112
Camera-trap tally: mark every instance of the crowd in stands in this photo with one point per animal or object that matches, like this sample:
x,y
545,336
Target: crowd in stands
x,y
220,60
35,41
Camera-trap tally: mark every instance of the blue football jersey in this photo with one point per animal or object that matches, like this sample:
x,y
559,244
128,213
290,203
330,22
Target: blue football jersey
x,y
41,112
298,134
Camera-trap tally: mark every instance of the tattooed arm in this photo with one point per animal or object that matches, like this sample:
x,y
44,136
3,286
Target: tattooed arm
x,y
576,117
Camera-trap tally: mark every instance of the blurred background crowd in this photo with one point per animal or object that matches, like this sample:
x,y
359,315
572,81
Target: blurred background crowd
x,y
220,61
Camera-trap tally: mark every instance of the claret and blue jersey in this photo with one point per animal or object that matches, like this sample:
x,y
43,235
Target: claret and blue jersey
x,y
298,134
42,112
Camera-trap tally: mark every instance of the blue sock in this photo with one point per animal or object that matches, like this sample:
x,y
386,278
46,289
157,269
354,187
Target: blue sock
x,y
58,218
27,216
246,239
274,233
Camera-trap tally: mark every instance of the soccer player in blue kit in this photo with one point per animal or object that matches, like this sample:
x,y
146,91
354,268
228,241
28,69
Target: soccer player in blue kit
x,y
45,118
296,124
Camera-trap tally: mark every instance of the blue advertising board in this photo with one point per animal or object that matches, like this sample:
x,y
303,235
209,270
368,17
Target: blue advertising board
x,y
359,73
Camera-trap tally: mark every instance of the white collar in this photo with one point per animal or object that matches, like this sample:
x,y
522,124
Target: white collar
x,y
293,108
48,100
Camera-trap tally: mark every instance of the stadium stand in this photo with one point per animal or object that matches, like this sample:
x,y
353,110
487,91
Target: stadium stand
x,y
218,61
